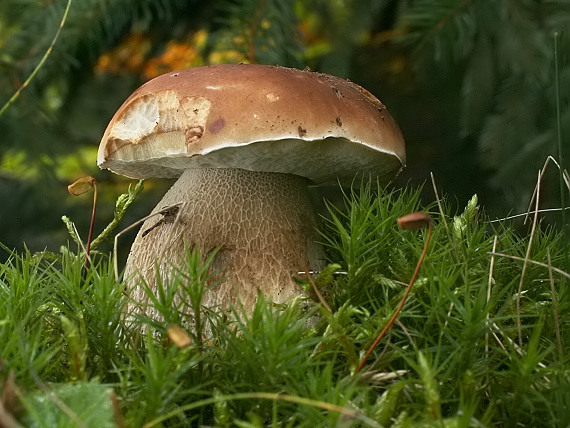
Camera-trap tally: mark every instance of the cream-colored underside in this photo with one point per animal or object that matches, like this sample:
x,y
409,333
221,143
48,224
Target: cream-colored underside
x,y
151,160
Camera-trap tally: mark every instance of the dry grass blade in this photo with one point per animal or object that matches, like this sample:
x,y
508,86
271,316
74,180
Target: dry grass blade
x,y
527,256
439,206
555,309
536,199
543,211
535,194
511,342
444,219
521,259
380,378
344,411
489,290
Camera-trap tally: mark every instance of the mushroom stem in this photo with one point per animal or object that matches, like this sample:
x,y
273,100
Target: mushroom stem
x,y
262,223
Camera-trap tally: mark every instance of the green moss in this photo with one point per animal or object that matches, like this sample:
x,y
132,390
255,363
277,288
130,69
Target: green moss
x,y
457,356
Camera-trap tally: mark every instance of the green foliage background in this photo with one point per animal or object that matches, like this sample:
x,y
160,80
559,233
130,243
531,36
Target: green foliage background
x,y
471,84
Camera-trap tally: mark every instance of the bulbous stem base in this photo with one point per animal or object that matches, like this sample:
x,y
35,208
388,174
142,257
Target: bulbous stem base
x,y
262,224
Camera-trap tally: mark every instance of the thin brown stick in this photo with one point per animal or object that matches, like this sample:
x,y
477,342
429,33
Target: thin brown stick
x,y
10,403
402,302
7,420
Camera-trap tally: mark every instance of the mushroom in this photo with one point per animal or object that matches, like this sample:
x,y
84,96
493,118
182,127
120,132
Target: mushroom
x,y
245,141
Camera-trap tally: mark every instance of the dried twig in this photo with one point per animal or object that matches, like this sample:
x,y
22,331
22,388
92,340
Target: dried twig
x,y
132,226
410,221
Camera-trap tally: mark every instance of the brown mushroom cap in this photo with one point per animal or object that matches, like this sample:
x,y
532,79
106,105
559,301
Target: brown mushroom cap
x,y
255,117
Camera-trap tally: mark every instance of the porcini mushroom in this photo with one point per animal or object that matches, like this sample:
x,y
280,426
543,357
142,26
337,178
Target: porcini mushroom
x,y
246,141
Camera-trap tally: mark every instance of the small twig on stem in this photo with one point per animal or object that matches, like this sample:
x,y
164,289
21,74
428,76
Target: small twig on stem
x,y
167,210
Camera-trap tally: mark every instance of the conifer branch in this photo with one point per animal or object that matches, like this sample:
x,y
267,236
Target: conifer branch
x,y
40,64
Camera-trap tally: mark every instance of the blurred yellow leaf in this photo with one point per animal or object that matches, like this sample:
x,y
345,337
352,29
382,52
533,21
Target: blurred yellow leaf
x,y
178,336
81,185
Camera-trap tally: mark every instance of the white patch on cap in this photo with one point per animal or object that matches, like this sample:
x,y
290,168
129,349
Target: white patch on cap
x,y
159,125
140,120
271,97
